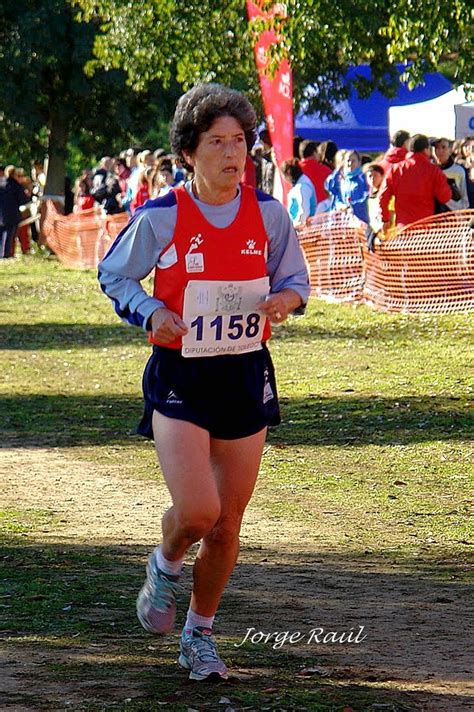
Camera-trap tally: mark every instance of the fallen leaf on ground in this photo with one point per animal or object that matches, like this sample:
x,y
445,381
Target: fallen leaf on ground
x,y
307,672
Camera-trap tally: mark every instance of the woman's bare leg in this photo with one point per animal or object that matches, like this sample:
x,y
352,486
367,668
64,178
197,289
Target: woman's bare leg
x,y
183,450
235,464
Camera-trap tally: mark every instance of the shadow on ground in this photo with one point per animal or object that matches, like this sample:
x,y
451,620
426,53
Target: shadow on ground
x,y
52,335
70,420
70,633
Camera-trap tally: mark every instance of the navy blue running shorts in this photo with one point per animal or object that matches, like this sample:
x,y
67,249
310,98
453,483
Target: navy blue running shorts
x,y
229,396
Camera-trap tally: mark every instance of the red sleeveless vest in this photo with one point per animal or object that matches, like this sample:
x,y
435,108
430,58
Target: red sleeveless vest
x,y
199,250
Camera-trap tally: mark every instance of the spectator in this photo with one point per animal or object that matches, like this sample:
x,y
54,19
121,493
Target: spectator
x,y
82,193
257,157
123,173
465,150
457,150
38,178
375,176
166,180
302,196
297,141
131,158
179,175
311,167
144,159
12,196
159,153
333,181
397,152
353,186
144,191
268,166
106,188
415,183
327,154
454,172
466,159
249,176
23,232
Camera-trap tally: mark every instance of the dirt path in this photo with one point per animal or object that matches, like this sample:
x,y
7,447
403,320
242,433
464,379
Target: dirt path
x,y
417,633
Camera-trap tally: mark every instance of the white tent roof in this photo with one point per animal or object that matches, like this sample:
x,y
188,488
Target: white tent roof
x,y
449,115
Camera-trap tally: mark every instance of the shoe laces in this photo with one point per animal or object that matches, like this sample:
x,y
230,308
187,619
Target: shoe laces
x,y
204,647
164,592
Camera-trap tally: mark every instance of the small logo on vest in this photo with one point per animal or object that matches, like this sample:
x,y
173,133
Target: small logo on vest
x,y
251,249
195,262
194,242
173,399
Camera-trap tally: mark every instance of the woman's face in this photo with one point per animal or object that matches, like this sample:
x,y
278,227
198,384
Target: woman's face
x,y
219,158
351,162
468,148
166,177
374,179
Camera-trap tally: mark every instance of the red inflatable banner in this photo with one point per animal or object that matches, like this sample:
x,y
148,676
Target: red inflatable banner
x,y
277,92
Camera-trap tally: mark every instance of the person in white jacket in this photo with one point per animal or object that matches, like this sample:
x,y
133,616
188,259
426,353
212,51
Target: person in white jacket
x,y
302,200
454,172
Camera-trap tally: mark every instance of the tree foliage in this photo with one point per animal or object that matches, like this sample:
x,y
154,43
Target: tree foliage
x,y
47,100
201,41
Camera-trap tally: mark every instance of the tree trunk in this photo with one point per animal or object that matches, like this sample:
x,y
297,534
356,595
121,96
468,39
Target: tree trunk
x,y
55,165
57,153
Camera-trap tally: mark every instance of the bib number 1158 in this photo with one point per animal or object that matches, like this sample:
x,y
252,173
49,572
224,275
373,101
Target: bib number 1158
x,y
232,327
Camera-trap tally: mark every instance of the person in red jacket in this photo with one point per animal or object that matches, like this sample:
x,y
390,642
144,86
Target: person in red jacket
x,y
415,183
317,172
397,151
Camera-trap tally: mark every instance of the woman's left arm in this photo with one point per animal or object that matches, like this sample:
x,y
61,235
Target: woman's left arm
x,y
286,263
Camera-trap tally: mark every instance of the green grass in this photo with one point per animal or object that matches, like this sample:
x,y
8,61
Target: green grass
x,y
372,464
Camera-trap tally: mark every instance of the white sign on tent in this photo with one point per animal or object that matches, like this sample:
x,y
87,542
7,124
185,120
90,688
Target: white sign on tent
x,y
464,119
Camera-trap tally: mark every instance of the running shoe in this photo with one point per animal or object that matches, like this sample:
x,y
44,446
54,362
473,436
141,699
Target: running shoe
x,y
156,602
199,655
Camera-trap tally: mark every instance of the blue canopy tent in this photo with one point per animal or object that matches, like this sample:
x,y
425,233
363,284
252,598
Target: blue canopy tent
x,y
364,122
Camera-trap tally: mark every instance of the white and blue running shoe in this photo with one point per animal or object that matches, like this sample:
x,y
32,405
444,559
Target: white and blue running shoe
x,y
156,602
199,655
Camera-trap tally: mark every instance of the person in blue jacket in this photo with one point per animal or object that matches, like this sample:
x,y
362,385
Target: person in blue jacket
x,y
354,189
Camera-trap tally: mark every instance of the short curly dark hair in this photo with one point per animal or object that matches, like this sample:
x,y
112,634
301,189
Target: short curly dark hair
x,y
197,110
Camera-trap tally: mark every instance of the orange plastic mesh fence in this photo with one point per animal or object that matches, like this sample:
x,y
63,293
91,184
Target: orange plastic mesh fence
x,y
426,267
332,245
80,240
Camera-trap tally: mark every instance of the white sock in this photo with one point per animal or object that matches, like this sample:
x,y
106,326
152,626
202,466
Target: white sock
x,y
172,568
194,620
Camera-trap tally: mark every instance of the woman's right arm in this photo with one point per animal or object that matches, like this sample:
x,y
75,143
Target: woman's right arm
x,y
131,258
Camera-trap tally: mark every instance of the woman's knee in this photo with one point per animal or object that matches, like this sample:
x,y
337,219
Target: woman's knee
x,y
196,523
225,531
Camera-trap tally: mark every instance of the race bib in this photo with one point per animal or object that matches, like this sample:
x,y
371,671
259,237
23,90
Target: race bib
x,y
223,317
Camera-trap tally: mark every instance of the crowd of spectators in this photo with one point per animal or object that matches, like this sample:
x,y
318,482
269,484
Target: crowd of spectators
x,y
126,182
416,177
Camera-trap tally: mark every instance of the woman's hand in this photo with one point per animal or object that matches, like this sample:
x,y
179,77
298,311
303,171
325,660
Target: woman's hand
x,y
277,306
166,326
